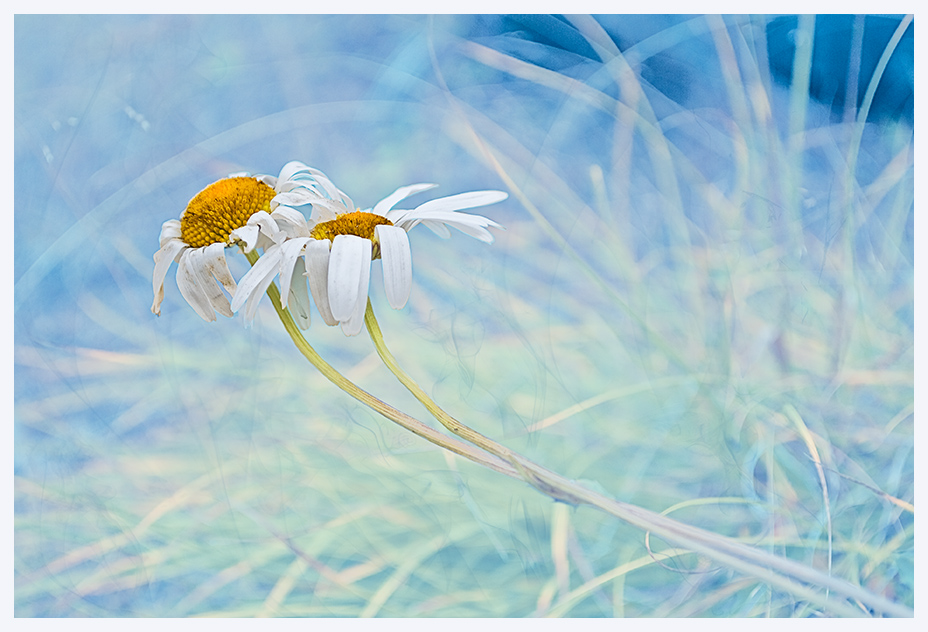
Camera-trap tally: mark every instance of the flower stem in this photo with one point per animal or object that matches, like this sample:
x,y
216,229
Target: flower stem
x,y
775,570
409,423
449,422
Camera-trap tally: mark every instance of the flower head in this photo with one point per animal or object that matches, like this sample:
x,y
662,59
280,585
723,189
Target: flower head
x,y
344,240
239,208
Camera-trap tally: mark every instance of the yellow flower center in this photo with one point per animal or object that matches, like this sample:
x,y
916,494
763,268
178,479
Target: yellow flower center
x,y
222,207
358,223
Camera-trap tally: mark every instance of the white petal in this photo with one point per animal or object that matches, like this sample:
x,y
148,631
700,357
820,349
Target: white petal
x,y
436,227
469,225
169,230
317,264
251,307
163,259
330,189
247,234
270,181
461,201
215,260
291,221
326,210
473,225
400,194
299,297
267,265
289,255
189,287
289,170
266,226
350,255
352,326
296,197
397,264
203,263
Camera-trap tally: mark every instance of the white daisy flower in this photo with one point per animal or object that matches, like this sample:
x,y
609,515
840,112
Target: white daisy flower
x,y
343,241
240,208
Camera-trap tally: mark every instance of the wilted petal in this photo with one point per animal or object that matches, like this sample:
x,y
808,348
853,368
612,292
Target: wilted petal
x,y
202,262
266,227
296,197
270,181
289,170
266,266
247,234
214,260
291,221
163,259
170,230
189,287
327,210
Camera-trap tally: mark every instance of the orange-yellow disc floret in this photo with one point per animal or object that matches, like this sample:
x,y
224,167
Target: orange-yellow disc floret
x,y
222,207
358,223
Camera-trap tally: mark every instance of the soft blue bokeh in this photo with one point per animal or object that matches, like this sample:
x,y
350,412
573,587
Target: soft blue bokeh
x,y
617,268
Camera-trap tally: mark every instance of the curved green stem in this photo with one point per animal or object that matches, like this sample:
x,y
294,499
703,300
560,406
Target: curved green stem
x,y
777,571
409,423
449,422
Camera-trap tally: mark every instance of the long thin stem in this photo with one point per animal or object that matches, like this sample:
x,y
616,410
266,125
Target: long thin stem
x,y
409,423
778,571
449,422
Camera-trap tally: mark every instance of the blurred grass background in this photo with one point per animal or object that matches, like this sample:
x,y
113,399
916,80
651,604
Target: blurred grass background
x,y
702,303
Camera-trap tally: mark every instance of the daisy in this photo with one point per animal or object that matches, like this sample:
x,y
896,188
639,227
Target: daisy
x,y
344,240
252,210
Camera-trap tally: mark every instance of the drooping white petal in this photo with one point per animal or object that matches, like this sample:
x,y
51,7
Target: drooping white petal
x,y
266,227
247,234
298,196
328,187
267,265
326,210
203,263
251,307
270,181
352,326
299,297
289,255
350,256
317,271
214,262
397,264
189,287
291,221
170,230
289,170
397,196
163,259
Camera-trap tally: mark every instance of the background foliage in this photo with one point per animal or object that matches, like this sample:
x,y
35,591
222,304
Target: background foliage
x,y
702,303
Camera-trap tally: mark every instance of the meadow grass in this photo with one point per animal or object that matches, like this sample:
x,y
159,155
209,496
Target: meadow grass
x,y
703,311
